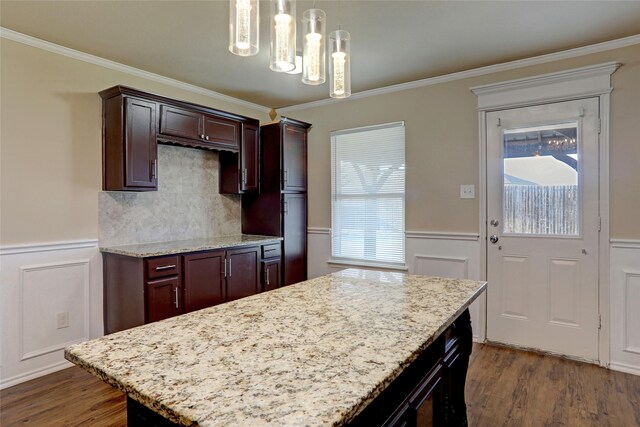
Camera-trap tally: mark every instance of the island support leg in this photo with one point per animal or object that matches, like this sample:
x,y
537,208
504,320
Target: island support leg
x,y
457,410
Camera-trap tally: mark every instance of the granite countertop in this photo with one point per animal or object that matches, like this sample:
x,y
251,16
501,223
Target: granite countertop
x,y
314,353
181,246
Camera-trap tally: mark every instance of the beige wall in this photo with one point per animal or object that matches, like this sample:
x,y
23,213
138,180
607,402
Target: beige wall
x,y
442,145
50,161
50,141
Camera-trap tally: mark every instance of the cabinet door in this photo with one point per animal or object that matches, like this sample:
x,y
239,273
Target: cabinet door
x,y
242,272
295,238
140,156
182,123
424,406
294,158
203,280
163,298
250,160
222,131
271,274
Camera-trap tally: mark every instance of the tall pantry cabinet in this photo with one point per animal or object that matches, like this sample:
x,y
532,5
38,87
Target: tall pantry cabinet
x,y
281,207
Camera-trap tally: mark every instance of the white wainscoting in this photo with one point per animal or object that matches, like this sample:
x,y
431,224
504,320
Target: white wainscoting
x,y
39,282
430,253
625,303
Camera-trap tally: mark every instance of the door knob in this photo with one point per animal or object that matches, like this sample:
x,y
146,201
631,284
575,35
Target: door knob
x,y
494,222
493,239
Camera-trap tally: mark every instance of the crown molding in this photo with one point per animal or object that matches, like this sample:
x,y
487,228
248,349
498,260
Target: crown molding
x,y
15,36
490,69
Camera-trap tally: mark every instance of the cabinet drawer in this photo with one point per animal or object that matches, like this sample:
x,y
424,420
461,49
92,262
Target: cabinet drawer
x,y
271,251
163,266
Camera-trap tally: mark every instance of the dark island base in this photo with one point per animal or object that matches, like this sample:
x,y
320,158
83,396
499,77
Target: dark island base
x,y
429,392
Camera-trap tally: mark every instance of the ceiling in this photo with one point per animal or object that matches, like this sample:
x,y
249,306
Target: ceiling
x,y
392,41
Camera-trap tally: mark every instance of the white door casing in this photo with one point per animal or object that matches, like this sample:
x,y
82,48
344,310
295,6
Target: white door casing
x,y
544,286
578,83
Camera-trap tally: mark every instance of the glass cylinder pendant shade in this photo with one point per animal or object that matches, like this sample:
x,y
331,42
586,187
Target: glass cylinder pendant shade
x,y
283,35
313,47
244,27
340,64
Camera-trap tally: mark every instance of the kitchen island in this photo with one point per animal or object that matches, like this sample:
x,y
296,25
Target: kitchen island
x,y
356,346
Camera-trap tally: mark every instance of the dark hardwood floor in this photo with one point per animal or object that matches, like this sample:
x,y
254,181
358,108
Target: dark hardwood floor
x,y
505,387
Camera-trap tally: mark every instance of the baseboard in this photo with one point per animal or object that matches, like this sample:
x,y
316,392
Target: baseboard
x,y
26,376
623,367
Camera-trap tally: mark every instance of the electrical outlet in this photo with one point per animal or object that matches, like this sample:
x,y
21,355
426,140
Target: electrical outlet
x,y
468,191
62,320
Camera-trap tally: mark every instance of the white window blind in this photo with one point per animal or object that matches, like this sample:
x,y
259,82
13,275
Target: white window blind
x,y
367,194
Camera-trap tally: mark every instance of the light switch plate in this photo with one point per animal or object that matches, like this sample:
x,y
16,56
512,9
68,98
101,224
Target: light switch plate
x,y
468,191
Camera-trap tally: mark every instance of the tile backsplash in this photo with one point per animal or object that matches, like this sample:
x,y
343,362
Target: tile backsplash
x,y
187,204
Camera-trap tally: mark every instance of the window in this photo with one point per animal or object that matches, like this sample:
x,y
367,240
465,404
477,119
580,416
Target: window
x,y
367,194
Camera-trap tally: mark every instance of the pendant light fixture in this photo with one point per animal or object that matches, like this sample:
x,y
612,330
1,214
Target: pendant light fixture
x,y
340,64
244,27
313,47
283,35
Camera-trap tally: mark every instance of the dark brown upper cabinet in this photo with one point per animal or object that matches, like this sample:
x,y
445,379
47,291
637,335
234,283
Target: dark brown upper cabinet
x,y
284,156
204,128
240,172
129,150
294,158
134,122
180,122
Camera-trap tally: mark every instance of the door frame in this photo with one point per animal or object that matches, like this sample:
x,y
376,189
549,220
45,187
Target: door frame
x,y
593,81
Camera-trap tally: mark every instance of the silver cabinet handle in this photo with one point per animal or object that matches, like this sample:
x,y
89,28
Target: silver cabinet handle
x,y
225,267
494,239
229,267
165,267
286,207
206,137
494,222
286,175
244,176
176,289
267,276
153,168
202,136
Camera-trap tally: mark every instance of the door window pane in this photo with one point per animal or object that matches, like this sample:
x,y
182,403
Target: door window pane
x,y
541,186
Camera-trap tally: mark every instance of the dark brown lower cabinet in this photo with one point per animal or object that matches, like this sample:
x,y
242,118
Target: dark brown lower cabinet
x,y
144,290
294,229
271,274
204,282
242,273
163,298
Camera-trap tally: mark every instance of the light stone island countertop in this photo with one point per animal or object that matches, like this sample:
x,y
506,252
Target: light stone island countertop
x,y
181,246
314,353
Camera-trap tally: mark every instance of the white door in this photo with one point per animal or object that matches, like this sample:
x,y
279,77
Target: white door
x,y
543,227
